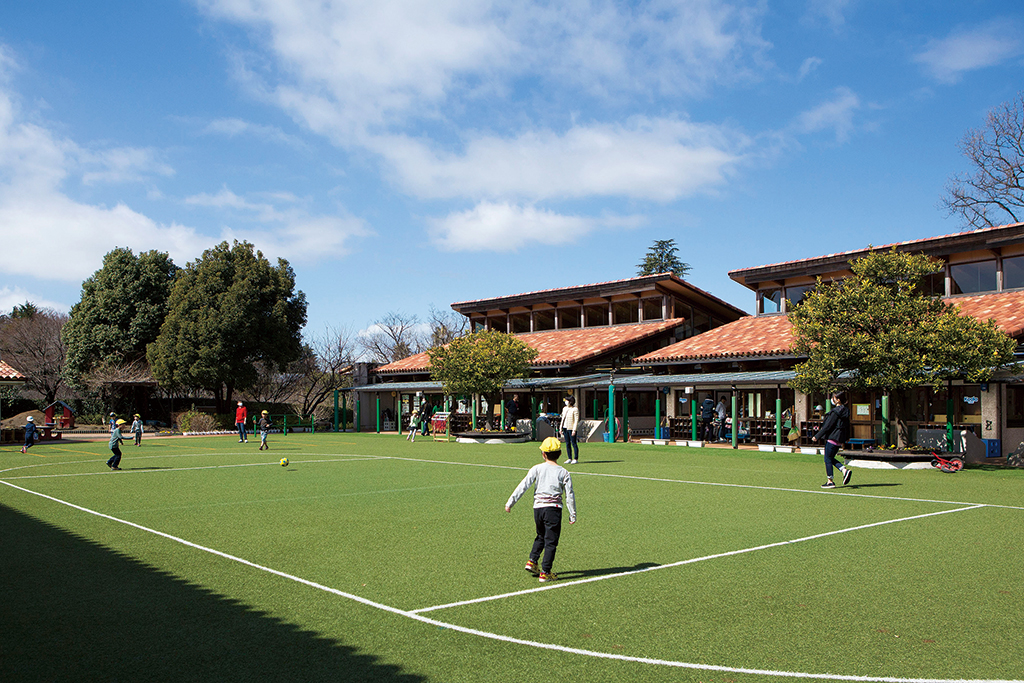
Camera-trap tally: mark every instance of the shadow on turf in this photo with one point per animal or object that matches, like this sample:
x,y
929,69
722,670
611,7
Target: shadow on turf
x,y
596,462
74,610
867,486
604,571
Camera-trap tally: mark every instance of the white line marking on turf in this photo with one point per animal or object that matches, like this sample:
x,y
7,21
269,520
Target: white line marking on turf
x,y
715,483
159,470
562,584
509,639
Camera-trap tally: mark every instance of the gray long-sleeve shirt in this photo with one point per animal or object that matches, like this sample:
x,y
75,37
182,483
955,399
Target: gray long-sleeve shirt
x,y
552,480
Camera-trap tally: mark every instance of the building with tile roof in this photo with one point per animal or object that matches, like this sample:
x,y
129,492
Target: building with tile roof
x,y
576,331
981,272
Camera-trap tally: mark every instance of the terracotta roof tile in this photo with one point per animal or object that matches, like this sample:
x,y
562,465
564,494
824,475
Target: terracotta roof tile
x,y
1006,308
9,373
765,335
771,335
561,347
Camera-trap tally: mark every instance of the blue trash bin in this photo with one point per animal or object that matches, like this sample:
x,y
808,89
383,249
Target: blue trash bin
x,y
607,437
993,448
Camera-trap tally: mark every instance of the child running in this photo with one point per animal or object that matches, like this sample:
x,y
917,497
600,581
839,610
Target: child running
x,y
115,446
30,434
414,426
264,430
552,482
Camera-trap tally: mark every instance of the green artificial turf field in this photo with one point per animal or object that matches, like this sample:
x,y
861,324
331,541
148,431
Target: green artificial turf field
x,y
369,558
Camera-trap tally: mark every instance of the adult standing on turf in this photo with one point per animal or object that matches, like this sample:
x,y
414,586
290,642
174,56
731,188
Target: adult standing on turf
x,y
835,431
30,433
115,446
570,423
552,482
707,418
137,429
721,412
426,411
240,417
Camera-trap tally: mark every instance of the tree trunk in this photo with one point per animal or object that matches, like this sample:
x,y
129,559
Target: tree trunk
x,y
900,410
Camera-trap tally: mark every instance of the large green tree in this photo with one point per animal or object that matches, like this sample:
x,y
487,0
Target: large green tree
x,y
228,310
480,363
122,307
877,331
662,257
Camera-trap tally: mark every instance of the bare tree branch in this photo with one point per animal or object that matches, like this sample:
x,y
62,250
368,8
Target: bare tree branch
x,y
30,341
395,336
994,193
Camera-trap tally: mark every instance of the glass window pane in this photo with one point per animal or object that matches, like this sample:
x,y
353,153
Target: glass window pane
x,y
771,301
973,277
652,309
1013,272
626,312
797,294
568,318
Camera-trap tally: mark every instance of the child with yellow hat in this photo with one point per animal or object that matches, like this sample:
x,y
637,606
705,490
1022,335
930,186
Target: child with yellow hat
x,y
551,482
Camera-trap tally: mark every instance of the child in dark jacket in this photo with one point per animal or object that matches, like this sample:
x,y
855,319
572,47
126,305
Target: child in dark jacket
x,y
835,431
30,434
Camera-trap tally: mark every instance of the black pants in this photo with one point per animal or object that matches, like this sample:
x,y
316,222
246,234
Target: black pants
x,y
549,528
115,459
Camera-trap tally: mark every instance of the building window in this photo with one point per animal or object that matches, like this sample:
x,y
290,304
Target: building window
x,y
934,284
969,278
568,318
1014,406
652,309
596,315
796,295
1013,272
700,322
543,320
520,323
771,301
499,323
626,312
479,324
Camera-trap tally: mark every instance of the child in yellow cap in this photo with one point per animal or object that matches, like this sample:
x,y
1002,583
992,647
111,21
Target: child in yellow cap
x,y
551,482
265,426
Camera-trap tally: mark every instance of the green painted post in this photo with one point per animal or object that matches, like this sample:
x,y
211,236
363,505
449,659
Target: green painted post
x,y
625,418
595,405
284,429
693,418
378,412
474,412
398,414
657,413
885,421
735,424
949,418
611,412
778,421
312,424
335,410
359,414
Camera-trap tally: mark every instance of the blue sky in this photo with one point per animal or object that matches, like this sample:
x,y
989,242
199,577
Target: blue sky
x,y
403,155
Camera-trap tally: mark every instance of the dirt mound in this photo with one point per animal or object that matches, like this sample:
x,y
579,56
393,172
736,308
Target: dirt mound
x,y
20,419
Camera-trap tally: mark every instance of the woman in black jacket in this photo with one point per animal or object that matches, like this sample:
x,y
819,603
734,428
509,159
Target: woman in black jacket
x,y
835,431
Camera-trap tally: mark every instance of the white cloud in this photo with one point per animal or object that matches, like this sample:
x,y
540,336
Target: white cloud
x,y
233,127
121,165
809,65
347,67
290,232
657,159
830,12
48,235
968,49
835,114
507,227
16,296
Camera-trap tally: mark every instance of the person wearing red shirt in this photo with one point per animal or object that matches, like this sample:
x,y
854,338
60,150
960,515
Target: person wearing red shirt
x,y
240,418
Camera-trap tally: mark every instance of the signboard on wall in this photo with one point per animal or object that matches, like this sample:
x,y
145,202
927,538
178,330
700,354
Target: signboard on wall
x,y
862,409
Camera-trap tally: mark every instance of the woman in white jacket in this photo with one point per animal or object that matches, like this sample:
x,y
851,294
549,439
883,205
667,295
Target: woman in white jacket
x,y
570,421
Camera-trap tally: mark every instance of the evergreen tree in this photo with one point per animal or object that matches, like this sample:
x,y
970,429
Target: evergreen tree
x,y
661,258
879,332
228,311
